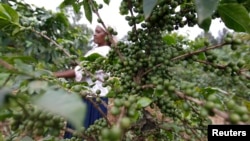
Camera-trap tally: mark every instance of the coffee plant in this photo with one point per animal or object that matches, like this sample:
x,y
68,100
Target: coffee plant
x,y
162,85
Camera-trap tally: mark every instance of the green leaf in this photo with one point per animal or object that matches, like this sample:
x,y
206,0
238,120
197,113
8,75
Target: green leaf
x,y
76,7
40,72
87,10
158,92
148,6
62,18
111,93
170,40
8,16
9,19
37,86
205,24
148,92
106,1
4,114
205,8
93,57
218,90
170,135
3,23
26,138
202,56
136,116
12,59
15,31
211,90
235,16
66,3
70,106
3,13
12,13
3,77
23,67
116,86
144,101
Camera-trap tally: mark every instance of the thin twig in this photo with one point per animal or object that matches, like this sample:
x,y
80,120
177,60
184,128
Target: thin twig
x,y
132,14
224,115
220,113
6,65
187,55
10,67
240,72
199,51
244,74
150,69
209,63
194,110
195,133
123,111
201,103
182,95
86,94
148,86
52,41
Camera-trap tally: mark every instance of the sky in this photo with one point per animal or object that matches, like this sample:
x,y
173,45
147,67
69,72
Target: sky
x,y
110,15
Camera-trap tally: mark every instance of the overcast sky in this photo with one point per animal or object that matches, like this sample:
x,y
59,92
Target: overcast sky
x,y
110,15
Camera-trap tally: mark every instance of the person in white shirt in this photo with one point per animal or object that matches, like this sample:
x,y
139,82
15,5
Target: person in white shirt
x,y
102,48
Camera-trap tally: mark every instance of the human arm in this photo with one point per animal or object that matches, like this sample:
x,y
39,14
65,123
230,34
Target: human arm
x,y
65,74
77,71
72,73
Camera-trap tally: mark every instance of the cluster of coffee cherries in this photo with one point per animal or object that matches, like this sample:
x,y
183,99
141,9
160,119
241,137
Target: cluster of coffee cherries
x,y
36,122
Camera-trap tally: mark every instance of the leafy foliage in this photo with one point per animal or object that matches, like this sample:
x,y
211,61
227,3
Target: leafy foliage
x,y
88,11
162,84
56,26
58,105
231,18
9,19
206,11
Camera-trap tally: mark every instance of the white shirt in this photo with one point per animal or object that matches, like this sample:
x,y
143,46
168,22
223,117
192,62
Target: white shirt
x,y
103,51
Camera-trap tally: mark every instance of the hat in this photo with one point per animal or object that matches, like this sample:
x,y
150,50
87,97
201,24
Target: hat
x,y
115,39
